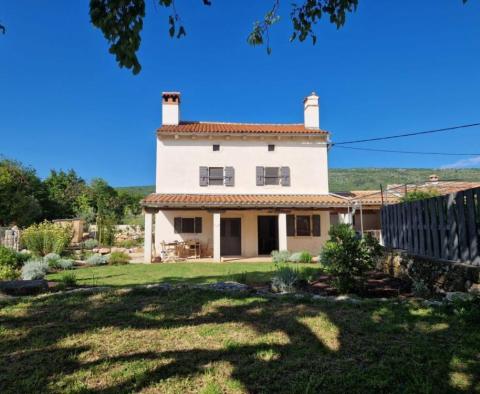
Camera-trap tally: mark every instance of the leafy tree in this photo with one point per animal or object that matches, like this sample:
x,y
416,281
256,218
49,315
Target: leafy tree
x,y
104,199
108,207
417,195
63,192
130,202
21,194
122,22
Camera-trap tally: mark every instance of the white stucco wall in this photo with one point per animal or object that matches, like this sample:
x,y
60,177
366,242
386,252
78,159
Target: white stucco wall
x,y
164,230
178,162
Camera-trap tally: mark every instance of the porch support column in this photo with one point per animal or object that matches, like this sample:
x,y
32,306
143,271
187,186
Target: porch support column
x,y
216,236
148,237
282,231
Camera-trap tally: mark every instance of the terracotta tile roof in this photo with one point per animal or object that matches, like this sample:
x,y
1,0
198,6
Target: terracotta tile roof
x,y
244,200
238,128
395,192
369,197
442,187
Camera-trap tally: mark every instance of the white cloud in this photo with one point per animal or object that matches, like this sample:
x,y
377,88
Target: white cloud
x,y
464,163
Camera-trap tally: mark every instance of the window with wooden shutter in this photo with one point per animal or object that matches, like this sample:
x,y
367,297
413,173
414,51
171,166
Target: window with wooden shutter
x,y
260,176
203,176
229,176
272,175
215,176
316,225
285,176
177,225
290,225
198,225
303,225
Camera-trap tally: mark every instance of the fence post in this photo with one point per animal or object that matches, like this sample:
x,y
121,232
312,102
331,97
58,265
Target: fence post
x,y
452,228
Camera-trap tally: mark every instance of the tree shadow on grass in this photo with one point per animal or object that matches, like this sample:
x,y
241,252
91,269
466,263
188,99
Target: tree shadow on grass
x,y
270,345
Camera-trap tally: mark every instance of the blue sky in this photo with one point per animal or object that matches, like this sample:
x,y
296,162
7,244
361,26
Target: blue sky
x,y
394,67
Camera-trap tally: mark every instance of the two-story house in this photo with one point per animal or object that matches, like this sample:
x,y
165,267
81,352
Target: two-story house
x,y
240,189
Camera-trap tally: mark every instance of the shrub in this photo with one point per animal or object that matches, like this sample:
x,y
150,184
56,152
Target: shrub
x,y
97,259
52,260
90,244
68,279
348,257
128,243
9,258
284,279
418,195
23,256
65,264
8,273
47,237
36,269
467,308
280,257
301,257
117,258
420,289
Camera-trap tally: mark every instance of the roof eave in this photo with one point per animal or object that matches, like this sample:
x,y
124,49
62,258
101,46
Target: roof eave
x,y
323,134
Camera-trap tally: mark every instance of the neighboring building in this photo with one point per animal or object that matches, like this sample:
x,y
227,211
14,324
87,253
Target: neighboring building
x,y
240,189
368,219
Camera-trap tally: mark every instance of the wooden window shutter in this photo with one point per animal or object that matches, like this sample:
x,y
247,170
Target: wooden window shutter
x,y
260,176
177,225
290,225
198,225
285,176
316,225
229,176
203,176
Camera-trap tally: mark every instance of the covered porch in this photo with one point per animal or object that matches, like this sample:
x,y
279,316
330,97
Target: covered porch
x,y
238,226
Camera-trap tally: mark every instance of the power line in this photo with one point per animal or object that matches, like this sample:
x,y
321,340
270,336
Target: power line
x,y
411,134
409,152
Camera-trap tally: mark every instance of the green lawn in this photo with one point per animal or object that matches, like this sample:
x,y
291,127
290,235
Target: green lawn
x,y
198,341
135,274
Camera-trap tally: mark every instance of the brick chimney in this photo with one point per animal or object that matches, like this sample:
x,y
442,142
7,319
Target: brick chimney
x,y
311,112
170,108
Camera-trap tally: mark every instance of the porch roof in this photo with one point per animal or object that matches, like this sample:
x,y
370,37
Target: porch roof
x,y
161,200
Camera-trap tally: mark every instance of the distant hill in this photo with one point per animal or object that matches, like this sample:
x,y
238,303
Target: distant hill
x,y
346,179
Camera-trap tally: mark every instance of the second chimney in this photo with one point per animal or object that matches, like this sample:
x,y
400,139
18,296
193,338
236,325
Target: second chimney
x,y
170,108
311,112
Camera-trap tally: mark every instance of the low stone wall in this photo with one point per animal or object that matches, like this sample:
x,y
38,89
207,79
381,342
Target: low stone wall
x,y
438,275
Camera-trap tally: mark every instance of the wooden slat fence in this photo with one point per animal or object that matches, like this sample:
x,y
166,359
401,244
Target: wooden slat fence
x,y
445,227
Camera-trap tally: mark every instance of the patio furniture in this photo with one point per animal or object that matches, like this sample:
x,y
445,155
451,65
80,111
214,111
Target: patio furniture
x,y
189,249
169,251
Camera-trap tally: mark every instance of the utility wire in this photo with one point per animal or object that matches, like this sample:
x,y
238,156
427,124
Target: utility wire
x,y
407,134
409,152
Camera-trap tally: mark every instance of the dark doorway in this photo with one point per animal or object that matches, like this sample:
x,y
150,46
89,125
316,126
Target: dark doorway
x,y
267,234
230,237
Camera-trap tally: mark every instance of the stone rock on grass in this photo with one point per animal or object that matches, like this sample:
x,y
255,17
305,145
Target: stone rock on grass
x,y
229,287
116,249
474,289
23,287
104,251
